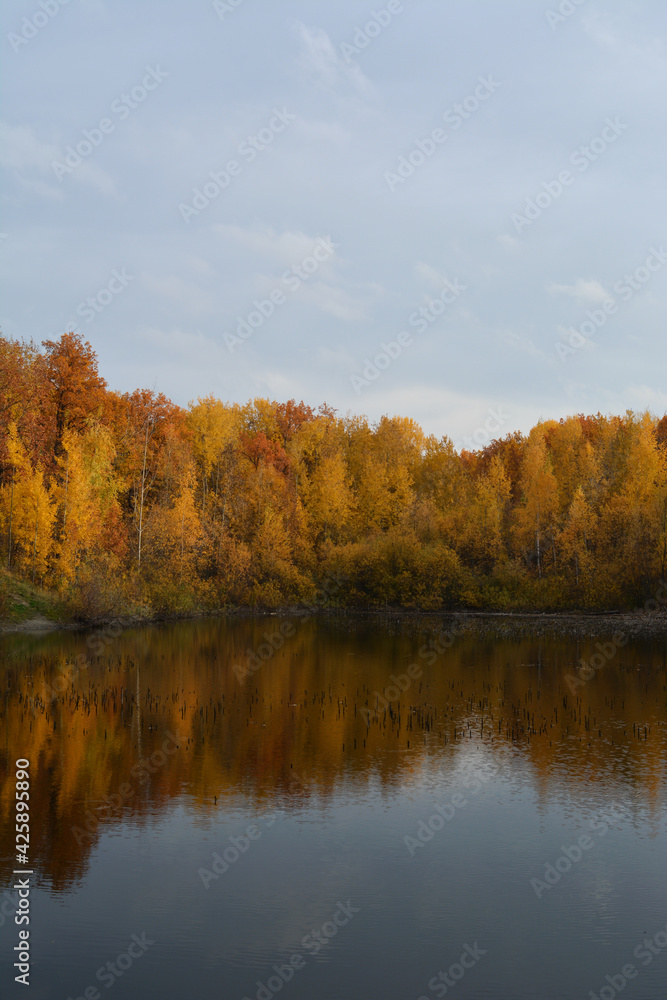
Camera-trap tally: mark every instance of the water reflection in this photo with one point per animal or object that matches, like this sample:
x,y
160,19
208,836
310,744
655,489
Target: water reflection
x,y
313,711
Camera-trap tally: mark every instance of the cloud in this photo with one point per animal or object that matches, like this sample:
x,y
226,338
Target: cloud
x,y
198,264
42,189
22,151
284,248
97,9
508,241
574,389
93,175
279,385
524,345
320,132
585,290
623,38
644,397
288,250
430,275
195,348
335,301
447,412
319,58
184,293
338,356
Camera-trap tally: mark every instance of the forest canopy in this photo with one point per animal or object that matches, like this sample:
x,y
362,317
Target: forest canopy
x,y
129,503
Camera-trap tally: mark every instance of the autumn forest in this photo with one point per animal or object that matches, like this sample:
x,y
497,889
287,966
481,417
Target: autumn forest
x,y
130,504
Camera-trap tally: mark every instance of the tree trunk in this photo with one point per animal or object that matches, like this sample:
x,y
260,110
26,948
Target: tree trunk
x,y
141,498
66,490
11,512
182,544
34,550
217,493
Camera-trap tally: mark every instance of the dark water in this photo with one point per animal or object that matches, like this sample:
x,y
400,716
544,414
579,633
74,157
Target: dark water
x,y
262,836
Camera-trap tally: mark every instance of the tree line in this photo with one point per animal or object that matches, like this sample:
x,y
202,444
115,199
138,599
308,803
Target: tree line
x,y
127,502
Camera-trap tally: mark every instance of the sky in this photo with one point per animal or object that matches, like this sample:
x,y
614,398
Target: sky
x,y
452,210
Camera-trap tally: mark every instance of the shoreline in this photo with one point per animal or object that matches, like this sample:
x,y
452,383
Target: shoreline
x,y
577,624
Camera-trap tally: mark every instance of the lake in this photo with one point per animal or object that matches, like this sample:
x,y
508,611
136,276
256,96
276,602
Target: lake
x,y
333,808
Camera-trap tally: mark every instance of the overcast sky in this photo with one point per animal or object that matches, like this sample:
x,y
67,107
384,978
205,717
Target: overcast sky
x,y
470,192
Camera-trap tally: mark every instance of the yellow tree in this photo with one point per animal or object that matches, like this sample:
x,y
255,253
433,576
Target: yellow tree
x,y
441,481
637,514
383,462
17,460
329,499
27,510
536,514
276,576
487,516
400,441
175,534
87,495
578,535
272,544
39,519
213,427
567,450
373,510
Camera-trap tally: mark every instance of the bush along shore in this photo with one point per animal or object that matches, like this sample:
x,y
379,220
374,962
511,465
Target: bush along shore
x,y
27,609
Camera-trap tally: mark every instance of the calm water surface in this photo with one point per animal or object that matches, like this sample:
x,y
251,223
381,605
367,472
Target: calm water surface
x,y
313,831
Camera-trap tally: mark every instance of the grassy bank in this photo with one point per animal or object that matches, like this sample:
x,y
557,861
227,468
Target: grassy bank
x,y
22,603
